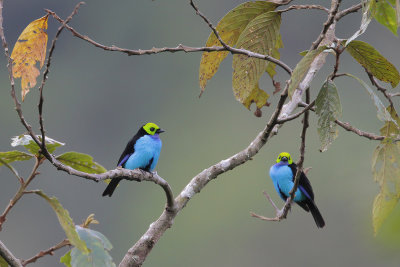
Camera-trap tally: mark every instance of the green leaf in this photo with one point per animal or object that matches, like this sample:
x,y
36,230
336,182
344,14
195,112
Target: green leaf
x,y
328,109
66,259
81,162
303,53
381,209
385,14
66,222
260,36
3,262
27,141
11,156
386,172
15,155
374,62
229,28
368,8
382,113
302,67
99,247
275,54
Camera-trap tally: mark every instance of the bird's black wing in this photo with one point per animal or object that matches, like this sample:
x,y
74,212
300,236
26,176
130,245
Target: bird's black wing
x,y
304,183
129,149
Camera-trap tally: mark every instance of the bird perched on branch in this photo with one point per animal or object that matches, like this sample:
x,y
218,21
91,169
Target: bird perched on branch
x,y
142,152
283,174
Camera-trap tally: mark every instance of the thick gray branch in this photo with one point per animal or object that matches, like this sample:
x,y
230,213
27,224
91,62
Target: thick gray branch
x,y
326,37
6,254
137,254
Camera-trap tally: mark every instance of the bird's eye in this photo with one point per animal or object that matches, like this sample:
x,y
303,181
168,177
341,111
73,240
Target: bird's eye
x,y
280,157
152,129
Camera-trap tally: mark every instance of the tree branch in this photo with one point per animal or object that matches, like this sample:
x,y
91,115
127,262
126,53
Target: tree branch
x,y
4,252
139,175
298,114
326,37
179,48
348,127
349,10
49,251
20,192
297,7
282,214
137,254
46,72
379,87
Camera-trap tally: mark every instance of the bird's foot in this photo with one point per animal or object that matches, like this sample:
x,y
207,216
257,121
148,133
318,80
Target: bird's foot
x,y
154,173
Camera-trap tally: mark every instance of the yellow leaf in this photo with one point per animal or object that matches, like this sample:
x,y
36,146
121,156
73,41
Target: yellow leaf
x,y
256,95
229,29
260,36
29,48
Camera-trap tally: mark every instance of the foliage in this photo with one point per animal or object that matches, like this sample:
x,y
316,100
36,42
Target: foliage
x,y
385,13
382,113
29,48
374,62
302,67
3,262
27,142
229,29
66,222
254,27
328,109
15,155
99,246
386,172
81,162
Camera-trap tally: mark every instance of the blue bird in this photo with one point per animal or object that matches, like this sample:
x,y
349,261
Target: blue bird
x,y
282,175
142,152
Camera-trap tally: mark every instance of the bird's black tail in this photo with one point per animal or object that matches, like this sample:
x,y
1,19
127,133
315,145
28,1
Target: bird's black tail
x,y
319,221
111,187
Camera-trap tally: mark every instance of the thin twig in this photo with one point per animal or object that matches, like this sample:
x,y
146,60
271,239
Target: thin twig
x,y
20,191
349,10
5,253
298,114
394,94
348,127
326,37
13,170
235,50
297,7
299,164
11,77
380,87
331,19
178,48
338,52
46,72
277,211
49,251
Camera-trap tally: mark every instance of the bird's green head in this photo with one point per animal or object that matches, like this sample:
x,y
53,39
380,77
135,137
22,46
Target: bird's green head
x,y
152,128
285,157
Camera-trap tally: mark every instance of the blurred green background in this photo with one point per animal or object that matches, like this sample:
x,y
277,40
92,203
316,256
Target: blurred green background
x,y
96,100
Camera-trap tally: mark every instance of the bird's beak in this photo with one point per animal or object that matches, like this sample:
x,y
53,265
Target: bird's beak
x,y
284,159
160,131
